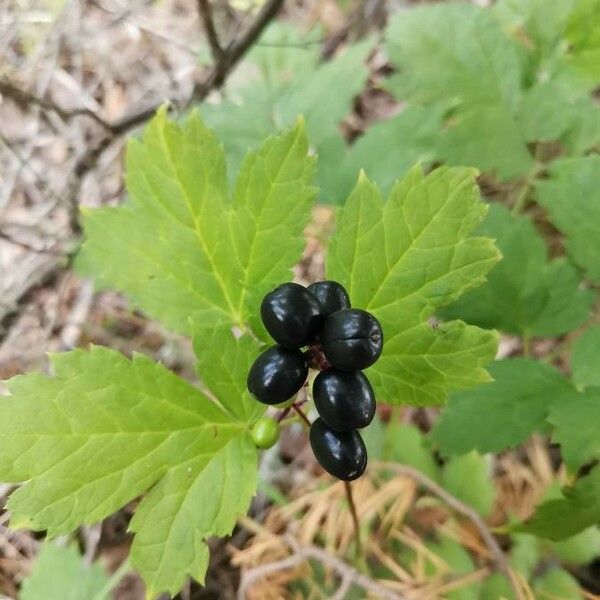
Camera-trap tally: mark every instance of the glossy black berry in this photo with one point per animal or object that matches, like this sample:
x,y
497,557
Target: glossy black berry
x,y
331,296
277,374
341,453
344,400
291,315
351,339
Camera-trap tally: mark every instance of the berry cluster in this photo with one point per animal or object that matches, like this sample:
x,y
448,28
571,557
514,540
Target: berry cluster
x,y
341,342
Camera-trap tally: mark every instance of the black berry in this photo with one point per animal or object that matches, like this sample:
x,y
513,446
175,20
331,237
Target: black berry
x,y
331,296
341,453
277,374
291,315
351,339
344,400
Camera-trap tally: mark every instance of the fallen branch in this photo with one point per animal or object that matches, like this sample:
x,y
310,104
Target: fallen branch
x,y
348,574
23,97
498,557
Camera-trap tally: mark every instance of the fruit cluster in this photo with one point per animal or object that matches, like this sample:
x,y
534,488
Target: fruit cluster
x,y
341,341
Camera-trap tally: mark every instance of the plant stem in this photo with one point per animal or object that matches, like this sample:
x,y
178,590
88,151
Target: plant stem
x,y
283,414
352,506
301,415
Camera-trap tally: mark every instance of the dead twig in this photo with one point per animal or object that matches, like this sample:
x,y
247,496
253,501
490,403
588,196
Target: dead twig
x,y
24,98
348,574
206,16
498,556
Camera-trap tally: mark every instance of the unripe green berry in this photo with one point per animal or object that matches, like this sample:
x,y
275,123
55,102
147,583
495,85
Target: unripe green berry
x,y
265,433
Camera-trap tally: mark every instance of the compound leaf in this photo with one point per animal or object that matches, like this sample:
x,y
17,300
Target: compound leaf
x,y
578,509
180,246
60,574
524,293
404,259
501,415
102,431
571,196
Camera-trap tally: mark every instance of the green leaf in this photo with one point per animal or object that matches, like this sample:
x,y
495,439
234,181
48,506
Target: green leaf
x,y
193,501
546,112
584,131
404,259
180,247
524,293
583,35
577,428
496,587
571,196
544,22
224,360
579,549
458,55
524,553
293,80
504,413
407,445
102,431
386,151
459,563
60,574
557,584
585,358
468,477
578,509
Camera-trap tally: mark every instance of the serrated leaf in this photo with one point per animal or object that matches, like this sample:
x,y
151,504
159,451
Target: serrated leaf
x,y
472,67
577,428
585,358
104,430
524,293
578,509
193,501
180,247
571,195
224,360
404,259
501,415
60,574
468,478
